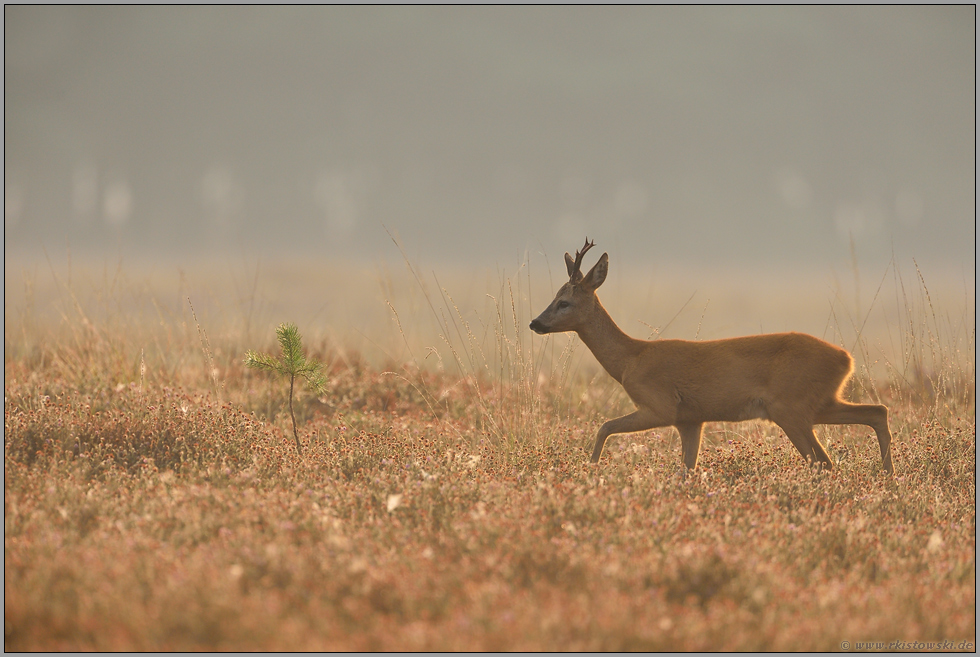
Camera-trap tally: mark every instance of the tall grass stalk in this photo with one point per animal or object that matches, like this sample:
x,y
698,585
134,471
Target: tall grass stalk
x,y
496,366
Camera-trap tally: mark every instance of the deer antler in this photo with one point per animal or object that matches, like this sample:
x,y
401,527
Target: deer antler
x,y
575,269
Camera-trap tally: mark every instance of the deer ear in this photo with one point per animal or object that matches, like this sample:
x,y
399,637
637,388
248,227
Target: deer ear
x,y
570,264
597,274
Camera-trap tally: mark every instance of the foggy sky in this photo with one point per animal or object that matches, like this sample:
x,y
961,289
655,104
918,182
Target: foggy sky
x,y
720,135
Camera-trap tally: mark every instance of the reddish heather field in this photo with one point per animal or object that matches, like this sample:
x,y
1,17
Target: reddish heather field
x,y
154,500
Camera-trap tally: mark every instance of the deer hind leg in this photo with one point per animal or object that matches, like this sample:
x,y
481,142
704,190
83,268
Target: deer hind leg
x,y
819,451
872,415
805,441
690,443
639,420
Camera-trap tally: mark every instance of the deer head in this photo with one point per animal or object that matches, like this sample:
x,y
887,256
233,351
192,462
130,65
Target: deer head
x,y
576,300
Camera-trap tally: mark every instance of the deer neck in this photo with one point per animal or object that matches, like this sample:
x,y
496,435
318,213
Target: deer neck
x,y
612,348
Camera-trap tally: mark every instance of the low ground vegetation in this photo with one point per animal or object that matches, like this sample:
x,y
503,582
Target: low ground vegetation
x,y
154,500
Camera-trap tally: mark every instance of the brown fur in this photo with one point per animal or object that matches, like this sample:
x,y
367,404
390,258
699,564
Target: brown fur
x,y
792,379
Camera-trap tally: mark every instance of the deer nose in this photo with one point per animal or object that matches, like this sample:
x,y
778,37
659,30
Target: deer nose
x,y
537,327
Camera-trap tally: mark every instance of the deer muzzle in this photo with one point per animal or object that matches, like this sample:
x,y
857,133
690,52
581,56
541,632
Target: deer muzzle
x,y
538,327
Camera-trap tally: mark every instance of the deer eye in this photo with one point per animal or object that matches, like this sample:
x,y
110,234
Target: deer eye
x,y
563,304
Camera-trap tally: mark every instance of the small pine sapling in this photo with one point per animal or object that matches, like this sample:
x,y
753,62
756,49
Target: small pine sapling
x,y
292,364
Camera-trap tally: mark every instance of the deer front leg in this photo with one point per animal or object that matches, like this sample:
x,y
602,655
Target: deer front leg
x,y
640,420
690,443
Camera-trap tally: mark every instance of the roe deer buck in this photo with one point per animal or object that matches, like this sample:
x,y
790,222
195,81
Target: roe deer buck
x,y
791,379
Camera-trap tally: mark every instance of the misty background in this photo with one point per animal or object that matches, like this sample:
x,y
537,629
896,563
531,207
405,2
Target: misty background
x,y
714,135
